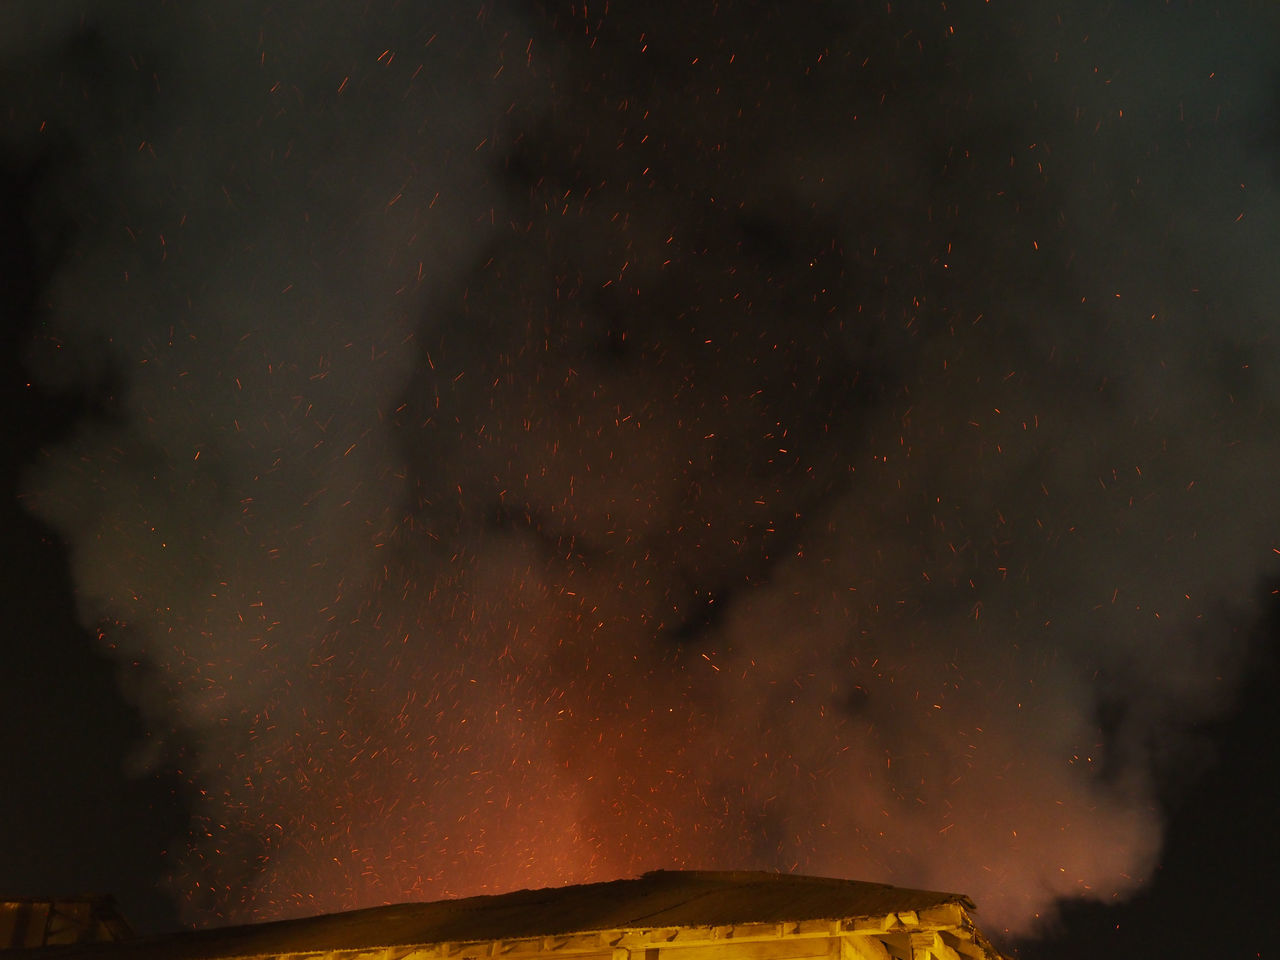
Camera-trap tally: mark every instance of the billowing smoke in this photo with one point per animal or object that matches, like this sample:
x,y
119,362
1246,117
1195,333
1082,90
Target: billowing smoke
x,y
544,443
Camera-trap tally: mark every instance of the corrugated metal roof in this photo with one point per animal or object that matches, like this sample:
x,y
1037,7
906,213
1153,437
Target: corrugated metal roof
x,y
658,899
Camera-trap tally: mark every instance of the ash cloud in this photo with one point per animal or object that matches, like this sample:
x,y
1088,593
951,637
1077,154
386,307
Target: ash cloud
x,y
552,443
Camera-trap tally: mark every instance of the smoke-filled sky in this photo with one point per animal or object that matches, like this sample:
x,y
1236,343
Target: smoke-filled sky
x,y
504,444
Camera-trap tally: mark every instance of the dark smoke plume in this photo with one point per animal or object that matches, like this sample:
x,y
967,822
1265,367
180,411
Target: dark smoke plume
x,y
548,442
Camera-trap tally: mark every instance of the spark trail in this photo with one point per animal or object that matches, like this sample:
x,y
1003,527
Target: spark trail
x,y
548,444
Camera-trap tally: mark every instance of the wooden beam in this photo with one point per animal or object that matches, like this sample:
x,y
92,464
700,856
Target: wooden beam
x,y
929,943
883,924
965,947
738,933
786,948
863,947
943,916
938,933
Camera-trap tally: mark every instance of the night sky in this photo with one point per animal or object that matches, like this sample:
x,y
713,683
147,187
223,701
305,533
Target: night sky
x,y
461,446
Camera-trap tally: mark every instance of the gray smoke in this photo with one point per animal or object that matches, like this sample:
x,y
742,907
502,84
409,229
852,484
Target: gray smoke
x,y
548,444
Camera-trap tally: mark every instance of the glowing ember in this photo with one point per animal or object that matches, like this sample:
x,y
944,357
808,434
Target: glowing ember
x,y
546,453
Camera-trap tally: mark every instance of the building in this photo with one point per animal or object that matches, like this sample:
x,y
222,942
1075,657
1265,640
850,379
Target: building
x,y
36,922
665,915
